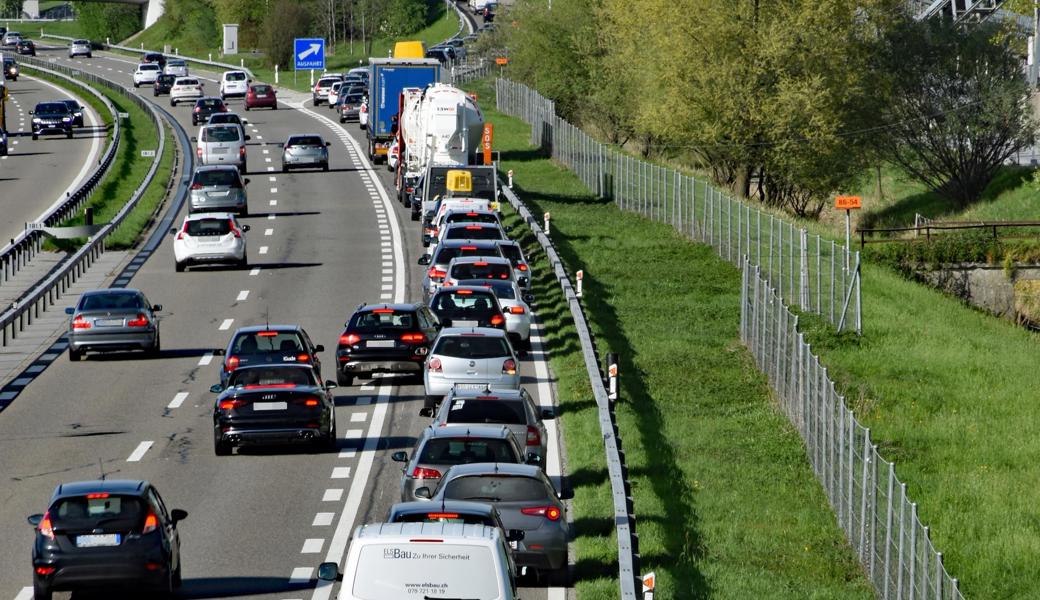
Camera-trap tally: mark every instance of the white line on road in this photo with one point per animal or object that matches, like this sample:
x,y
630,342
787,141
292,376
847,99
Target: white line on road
x,y
206,359
138,452
271,217
332,495
269,231
263,249
340,473
300,575
226,324
274,190
25,594
242,295
178,399
350,453
358,417
273,203
272,179
323,519
312,545
254,272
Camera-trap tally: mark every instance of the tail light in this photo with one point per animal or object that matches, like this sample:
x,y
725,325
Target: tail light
x,y
234,229
198,152
151,523
521,267
497,320
46,527
349,339
231,364
241,151
534,437
198,109
196,186
80,323
413,338
311,402
139,321
303,357
45,570
435,365
184,229
516,310
436,274
549,512
424,473
230,404
509,367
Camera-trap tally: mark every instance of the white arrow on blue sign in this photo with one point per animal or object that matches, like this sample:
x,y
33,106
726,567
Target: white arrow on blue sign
x,y
309,53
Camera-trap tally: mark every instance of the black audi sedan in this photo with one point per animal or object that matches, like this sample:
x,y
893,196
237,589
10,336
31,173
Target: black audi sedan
x,y
274,404
99,535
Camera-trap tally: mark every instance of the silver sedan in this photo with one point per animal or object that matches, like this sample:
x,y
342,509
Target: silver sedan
x,y
308,150
113,320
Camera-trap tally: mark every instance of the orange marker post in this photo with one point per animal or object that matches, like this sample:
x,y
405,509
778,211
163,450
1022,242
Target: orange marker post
x,y
848,204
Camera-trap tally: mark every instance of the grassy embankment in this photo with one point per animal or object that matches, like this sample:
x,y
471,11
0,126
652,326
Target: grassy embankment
x,y
725,501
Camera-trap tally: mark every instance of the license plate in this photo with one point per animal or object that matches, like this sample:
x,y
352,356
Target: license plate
x,y
220,151
95,541
108,322
261,95
463,323
471,386
270,405
380,344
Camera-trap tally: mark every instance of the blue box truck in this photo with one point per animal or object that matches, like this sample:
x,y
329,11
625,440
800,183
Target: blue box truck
x,y
388,76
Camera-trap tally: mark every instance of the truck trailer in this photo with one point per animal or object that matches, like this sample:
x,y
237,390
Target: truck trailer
x,y
388,77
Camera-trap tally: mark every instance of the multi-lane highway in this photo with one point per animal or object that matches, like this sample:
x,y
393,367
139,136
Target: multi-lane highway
x,y
261,521
36,173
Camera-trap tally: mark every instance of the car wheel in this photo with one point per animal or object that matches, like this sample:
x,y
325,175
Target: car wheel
x,y
342,120
68,134
328,443
153,352
172,101
41,591
556,577
275,107
325,167
90,56
36,136
243,170
415,216
247,107
177,578
75,355
179,266
220,447
243,264
135,84
344,380
285,169
431,403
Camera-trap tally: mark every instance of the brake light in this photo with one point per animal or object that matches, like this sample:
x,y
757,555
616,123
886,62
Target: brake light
x,y
46,527
196,186
435,365
497,319
384,311
442,515
231,364
413,338
522,267
310,402
234,229
97,496
424,473
472,227
349,339
509,366
480,263
45,570
463,292
140,321
241,151
471,214
468,248
198,109
151,523
198,152
80,323
534,438
230,404
267,333
435,273
303,357
516,310
549,512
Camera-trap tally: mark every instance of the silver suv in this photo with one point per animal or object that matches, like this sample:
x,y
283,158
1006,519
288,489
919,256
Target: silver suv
x,y
80,48
221,145
218,188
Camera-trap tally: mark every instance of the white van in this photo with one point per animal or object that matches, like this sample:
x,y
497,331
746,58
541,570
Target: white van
x,y
405,561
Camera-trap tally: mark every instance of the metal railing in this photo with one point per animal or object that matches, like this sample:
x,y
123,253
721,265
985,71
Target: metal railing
x,y
21,314
870,503
623,518
16,255
142,50
813,273
923,226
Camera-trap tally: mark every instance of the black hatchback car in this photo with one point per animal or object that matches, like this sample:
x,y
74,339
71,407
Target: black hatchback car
x,y
52,117
204,107
467,306
162,84
385,338
104,534
269,345
274,404
25,48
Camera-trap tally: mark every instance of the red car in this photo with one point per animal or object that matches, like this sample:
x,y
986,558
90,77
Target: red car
x,y
261,95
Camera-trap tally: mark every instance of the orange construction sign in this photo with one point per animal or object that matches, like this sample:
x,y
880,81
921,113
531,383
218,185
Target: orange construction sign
x,y
485,141
501,61
848,202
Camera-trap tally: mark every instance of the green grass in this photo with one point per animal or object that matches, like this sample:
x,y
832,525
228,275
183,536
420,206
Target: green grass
x,y
66,28
725,502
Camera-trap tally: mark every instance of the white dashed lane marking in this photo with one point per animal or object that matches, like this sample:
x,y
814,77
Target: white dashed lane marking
x,y
273,203
242,295
300,575
178,399
255,271
269,231
206,359
263,249
226,324
340,473
323,519
332,495
312,546
358,417
138,452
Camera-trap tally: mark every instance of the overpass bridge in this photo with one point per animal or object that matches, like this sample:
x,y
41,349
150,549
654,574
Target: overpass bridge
x,y
153,8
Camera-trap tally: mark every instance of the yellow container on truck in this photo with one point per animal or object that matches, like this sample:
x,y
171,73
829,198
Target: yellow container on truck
x,y
409,50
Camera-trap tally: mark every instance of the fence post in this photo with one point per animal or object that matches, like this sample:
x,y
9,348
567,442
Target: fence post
x,y
863,495
888,527
902,536
913,546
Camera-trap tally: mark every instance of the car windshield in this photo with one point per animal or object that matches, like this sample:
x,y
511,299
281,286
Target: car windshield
x,y
234,76
497,412
217,177
497,488
52,108
480,270
464,301
473,347
470,217
112,301
208,227
270,376
463,451
473,232
263,342
305,140
380,320
220,134
101,510
503,289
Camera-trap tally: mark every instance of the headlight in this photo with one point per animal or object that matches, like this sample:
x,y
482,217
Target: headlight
x,y
35,120
66,119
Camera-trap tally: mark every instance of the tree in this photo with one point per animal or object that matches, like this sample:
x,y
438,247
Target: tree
x,y
248,14
958,109
114,21
286,21
11,9
404,17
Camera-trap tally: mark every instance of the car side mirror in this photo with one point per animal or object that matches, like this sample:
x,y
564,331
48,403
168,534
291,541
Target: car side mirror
x,y
34,520
246,228
157,308
423,492
216,388
424,260
533,459
515,535
69,310
248,138
32,112
330,384
219,352
528,298
194,139
548,413
173,230
399,456
328,571
245,122
319,348
178,515
328,144
246,181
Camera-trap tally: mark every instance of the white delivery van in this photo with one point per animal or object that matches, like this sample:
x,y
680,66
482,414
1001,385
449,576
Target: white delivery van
x,y
405,561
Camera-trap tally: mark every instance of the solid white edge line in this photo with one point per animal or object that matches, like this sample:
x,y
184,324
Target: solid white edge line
x,y
138,452
25,594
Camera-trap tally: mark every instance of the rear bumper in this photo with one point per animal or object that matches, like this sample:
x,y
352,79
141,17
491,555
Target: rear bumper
x,y
252,435
104,572
203,258
383,365
112,341
439,385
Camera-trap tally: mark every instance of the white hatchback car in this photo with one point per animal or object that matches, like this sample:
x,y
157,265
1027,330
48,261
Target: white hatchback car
x,y
176,66
209,238
234,83
185,88
146,73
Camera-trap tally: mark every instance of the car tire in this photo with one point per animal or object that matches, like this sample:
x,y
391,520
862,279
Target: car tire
x,y
156,348
344,380
275,107
431,403
220,447
243,264
556,577
325,167
328,443
244,170
90,56
363,127
342,120
68,134
75,355
178,579
172,101
247,107
415,216
179,266
135,84
285,169
36,136
41,591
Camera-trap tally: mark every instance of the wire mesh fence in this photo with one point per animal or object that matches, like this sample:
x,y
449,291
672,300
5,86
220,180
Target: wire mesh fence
x,y
811,272
869,501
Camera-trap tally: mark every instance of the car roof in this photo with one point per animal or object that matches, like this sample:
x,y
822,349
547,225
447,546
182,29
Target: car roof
x,y
110,291
188,78
487,394
300,135
496,260
455,288
404,532
487,244
456,506
397,307
257,328
201,168
482,331
461,225
293,365
499,432
112,486
518,470
208,215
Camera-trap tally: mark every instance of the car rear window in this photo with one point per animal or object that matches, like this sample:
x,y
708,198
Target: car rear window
x,y
462,451
267,376
480,270
306,140
186,81
149,67
426,570
502,290
261,89
111,300
353,99
471,217
473,232
497,488
263,342
451,300
496,412
446,253
225,118
220,134
512,252
444,517
210,103
172,79
328,81
81,42
380,320
217,177
473,346
234,76
209,227
98,511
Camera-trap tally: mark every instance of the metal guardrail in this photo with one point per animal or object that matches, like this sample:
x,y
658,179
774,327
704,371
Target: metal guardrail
x,y
17,254
21,314
628,577
201,61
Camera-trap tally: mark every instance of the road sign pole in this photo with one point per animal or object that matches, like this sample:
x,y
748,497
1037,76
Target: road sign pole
x,y
848,237
312,77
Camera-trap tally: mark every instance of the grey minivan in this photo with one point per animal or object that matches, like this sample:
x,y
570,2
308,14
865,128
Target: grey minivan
x,y
218,188
221,145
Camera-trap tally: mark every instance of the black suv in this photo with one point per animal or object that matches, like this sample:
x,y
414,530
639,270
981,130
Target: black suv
x,y
52,117
100,534
269,345
77,112
385,338
25,47
155,57
204,107
162,84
